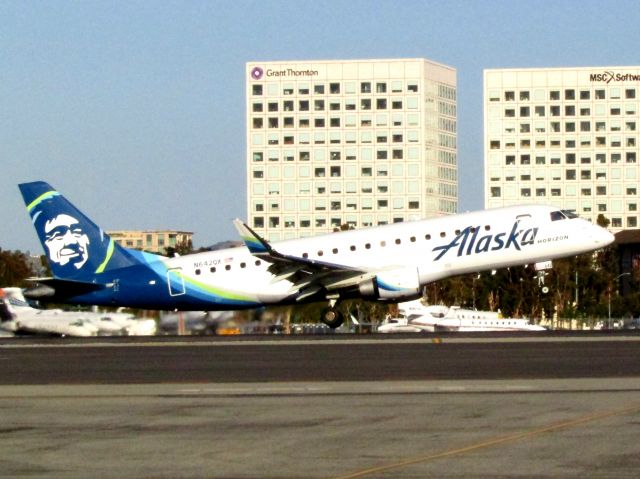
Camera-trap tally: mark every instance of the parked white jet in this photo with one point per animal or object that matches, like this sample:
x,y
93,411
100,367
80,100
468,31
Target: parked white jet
x,y
385,263
417,317
18,316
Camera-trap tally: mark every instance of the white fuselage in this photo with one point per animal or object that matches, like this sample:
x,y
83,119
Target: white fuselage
x,y
417,317
422,251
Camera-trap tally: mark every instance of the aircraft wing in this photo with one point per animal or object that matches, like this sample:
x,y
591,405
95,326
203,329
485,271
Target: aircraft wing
x,y
308,276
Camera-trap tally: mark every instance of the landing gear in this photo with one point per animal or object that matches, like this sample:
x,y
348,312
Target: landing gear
x,y
332,317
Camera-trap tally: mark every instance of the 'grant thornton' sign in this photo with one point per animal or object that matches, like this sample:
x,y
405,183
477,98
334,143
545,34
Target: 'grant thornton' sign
x,y
258,73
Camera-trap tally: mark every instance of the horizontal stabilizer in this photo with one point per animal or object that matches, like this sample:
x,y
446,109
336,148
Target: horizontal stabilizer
x,y
54,289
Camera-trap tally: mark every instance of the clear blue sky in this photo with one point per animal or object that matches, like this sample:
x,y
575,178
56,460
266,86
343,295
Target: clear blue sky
x,y
135,110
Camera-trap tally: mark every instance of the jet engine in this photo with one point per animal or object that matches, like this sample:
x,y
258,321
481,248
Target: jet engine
x,y
392,285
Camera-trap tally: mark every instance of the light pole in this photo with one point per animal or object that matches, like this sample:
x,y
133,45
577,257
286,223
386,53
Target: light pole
x,y
609,291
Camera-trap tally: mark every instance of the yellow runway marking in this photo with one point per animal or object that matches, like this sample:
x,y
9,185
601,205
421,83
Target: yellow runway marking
x,y
492,442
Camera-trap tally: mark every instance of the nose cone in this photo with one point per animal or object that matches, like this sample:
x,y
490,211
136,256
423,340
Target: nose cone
x,y
603,237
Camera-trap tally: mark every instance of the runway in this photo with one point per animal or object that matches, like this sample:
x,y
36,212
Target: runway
x,y
336,358
322,408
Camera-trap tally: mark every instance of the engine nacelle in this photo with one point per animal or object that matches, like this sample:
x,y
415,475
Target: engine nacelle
x,y
392,285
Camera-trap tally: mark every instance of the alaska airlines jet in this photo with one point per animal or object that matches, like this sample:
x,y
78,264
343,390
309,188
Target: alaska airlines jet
x,y
385,263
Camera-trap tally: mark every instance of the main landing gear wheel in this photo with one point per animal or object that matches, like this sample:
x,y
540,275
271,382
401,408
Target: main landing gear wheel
x,y
332,317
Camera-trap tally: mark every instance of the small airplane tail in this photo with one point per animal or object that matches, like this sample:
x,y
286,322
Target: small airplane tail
x,y
77,249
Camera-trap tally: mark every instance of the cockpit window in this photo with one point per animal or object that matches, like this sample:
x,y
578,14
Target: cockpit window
x,y
557,216
562,215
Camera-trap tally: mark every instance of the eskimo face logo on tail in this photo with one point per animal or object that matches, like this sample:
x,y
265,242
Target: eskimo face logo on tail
x,y
66,241
469,241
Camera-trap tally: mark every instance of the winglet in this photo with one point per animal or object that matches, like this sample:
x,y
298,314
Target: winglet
x,y
252,240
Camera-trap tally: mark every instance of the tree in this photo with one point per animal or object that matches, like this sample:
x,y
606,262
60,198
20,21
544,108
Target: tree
x,y
14,268
180,249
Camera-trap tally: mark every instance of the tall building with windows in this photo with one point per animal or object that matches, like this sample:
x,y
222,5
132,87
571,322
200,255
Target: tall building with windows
x,y
564,136
357,143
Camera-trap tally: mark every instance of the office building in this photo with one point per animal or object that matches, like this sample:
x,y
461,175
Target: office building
x,y
355,143
152,241
566,137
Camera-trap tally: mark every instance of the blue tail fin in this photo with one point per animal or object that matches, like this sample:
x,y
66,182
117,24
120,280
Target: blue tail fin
x,y
77,248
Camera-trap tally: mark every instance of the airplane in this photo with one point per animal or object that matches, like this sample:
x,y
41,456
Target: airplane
x,y
389,263
18,316
415,317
